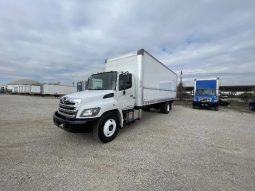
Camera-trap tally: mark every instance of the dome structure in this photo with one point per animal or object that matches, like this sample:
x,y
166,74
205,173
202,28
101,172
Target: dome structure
x,y
25,82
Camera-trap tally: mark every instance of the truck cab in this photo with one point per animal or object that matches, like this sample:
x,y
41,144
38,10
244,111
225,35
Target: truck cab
x,y
108,92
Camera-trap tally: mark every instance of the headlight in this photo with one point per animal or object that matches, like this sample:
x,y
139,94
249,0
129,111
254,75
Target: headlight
x,y
90,112
195,99
215,100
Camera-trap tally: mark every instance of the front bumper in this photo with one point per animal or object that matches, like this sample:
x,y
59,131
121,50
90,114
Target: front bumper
x,y
205,104
67,123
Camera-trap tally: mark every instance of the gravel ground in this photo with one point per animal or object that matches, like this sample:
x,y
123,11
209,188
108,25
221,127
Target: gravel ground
x,y
184,150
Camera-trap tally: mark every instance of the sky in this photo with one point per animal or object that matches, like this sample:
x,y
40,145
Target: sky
x,y
66,41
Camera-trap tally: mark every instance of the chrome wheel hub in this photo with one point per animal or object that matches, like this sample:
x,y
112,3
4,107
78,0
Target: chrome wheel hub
x,y
110,127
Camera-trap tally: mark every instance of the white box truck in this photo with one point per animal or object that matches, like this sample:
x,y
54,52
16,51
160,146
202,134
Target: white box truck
x,y
130,83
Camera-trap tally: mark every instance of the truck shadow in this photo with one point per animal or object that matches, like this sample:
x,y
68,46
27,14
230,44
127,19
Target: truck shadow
x,y
88,129
86,132
146,117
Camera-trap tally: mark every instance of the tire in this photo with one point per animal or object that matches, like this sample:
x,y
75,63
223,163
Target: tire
x,y
216,108
106,128
165,108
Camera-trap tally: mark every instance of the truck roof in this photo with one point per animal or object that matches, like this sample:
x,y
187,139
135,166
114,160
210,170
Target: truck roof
x,y
138,52
206,79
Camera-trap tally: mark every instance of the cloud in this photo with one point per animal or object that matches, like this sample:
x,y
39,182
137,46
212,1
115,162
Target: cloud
x,y
68,40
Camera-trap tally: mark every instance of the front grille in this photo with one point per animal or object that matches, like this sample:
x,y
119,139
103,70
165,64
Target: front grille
x,y
67,108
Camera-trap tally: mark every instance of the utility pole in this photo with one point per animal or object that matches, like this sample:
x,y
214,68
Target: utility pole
x,y
181,87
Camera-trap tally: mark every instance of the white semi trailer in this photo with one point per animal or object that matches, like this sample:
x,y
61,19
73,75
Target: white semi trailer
x,y
130,83
54,89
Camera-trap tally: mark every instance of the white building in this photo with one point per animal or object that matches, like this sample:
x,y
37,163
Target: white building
x,y
2,88
26,86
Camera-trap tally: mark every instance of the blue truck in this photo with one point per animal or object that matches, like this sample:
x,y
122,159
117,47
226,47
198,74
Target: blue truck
x,y
206,93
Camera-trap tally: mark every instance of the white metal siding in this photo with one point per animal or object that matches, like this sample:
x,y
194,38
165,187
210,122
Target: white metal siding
x,y
153,82
26,88
159,81
35,90
57,89
11,88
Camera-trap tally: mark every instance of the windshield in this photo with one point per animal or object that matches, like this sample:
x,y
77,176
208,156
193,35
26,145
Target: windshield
x,y
103,81
206,92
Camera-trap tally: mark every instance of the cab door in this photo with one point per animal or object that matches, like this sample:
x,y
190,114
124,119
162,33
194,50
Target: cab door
x,y
126,95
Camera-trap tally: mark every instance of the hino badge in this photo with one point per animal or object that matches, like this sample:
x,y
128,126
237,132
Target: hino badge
x,y
131,83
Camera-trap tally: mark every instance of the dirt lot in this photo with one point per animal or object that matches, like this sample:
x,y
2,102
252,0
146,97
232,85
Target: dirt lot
x,y
184,150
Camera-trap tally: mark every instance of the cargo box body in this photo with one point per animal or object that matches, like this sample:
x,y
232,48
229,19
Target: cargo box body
x,y
154,82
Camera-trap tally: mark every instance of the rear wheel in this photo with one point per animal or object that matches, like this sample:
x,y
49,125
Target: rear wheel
x,y
165,108
106,128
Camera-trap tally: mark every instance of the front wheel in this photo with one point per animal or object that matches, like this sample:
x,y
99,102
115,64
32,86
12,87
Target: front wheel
x,y
165,108
106,128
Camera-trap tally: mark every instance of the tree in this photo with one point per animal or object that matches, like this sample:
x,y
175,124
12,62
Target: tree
x,y
180,91
180,88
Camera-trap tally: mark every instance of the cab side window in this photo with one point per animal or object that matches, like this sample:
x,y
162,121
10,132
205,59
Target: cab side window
x,y
125,81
